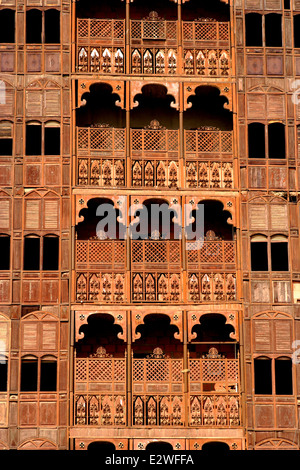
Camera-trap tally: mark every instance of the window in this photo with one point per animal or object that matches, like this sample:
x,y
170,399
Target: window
x,y
280,368
6,141
269,253
43,139
39,374
7,26
271,24
297,31
253,30
5,252
3,373
266,140
43,26
29,371
287,4
34,246
273,30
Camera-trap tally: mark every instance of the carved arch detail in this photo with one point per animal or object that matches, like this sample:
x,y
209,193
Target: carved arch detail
x,y
117,87
172,90
276,443
232,318
225,90
229,204
81,318
119,202
175,319
38,444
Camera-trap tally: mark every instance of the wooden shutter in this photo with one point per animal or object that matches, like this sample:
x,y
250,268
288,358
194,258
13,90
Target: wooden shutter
x,y
262,335
32,214
258,217
52,103
4,214
34,103
51,214
283,335
256,106
278,217
30,336
4,336
275,106
7,103
49,336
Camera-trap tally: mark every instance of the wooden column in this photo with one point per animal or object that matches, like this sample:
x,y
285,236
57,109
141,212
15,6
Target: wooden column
x,y
185,370
129,372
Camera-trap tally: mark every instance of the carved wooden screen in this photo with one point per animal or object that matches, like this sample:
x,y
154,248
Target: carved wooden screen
x,y
100,391
158,392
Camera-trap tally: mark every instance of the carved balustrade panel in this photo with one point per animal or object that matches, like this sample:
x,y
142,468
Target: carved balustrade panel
x,y
100,391
158,392
101,172
206,174
211,254
214,387
155,173
101,286
156,287
154,60
211,286
208,62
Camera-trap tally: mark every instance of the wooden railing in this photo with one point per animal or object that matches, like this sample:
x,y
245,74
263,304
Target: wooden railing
x,y
194,32
156,254
158,397
101,141
217,254
100,254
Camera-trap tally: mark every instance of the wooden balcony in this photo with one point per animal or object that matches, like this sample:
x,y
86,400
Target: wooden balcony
x,y
155,254
158,397
100,254
217,254
205,33
208,142
100,391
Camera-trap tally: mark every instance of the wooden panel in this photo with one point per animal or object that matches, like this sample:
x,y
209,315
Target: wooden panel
x,y
278,217
47,413
5,291
5,214
28,413
50,291
6,100
257,177
275,106
286,416
264,416
4,336
260,291
283,335
31,291
49,336
29,332
34,103
52,103
262,335
51,214
256,106
281,291
258,219
32,214
3,413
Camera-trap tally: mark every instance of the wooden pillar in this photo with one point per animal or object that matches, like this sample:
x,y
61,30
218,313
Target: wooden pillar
x,y
129,372
185,370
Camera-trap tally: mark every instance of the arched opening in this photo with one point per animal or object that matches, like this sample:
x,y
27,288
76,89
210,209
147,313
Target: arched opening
x,y
48,374
156,221
157,332
216,226
207,109
31,253
3,372
296,30
213,329
256,140
100,221
29,374
273,30
262,376
6,132
283,376
276,140
154,103
104,447
100,108
215,447
259,253
100,332
34,26
159,447
52,26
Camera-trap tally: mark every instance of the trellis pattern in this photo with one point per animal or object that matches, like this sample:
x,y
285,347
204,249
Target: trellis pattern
x,y
144,142
100,370
221,253
102,254
214,370
198,31
208,140
156,253
157,370
101,30
101,139
153,29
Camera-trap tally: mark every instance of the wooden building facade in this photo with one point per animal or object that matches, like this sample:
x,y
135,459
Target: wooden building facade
x,y
159,340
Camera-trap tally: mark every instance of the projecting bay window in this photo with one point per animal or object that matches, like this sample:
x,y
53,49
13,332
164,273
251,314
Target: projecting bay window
x,y
273,376
269,254
41,253
42,139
